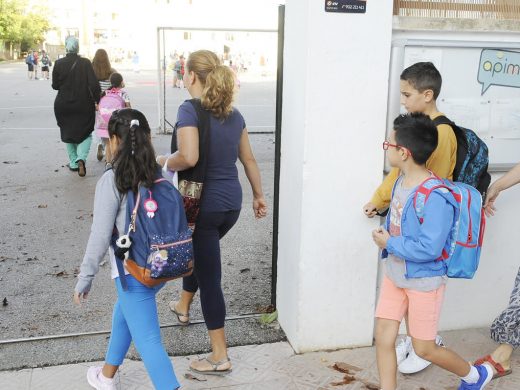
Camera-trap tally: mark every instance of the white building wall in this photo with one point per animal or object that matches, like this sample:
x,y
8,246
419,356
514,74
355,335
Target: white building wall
x,y
334,112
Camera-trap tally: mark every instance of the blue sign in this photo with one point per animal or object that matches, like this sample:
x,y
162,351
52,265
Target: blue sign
x,y
346,6
499,67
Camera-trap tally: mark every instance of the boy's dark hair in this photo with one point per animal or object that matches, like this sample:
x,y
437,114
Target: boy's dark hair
x,y
134,160
116,80
423,76
417,133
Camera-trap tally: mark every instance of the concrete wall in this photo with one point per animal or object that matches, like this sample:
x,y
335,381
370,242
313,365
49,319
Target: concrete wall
x,y
333,124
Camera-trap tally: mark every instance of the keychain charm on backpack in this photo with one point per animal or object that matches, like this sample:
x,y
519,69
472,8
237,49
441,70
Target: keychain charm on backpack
x,y
123,244
150,206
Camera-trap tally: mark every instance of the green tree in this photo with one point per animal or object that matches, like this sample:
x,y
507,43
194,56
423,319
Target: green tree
x,y
11,16
34,27
21,25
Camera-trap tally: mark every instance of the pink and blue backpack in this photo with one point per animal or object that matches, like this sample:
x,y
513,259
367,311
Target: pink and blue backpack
x,y
469,221
107,105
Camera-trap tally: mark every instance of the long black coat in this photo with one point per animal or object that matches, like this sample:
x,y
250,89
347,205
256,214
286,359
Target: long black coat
x,y
78,91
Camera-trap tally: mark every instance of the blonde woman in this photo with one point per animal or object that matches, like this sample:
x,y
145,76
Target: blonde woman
x,y
221,201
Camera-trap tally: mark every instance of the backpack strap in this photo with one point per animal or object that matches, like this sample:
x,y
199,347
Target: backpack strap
x,y
443,120
423,193
131,228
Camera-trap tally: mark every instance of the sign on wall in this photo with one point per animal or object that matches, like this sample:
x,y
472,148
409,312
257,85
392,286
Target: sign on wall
x,y
346,6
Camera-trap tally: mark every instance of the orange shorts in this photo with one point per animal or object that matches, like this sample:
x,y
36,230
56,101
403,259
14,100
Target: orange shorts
x,y
424,308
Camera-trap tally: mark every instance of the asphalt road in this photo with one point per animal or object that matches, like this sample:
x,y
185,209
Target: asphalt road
x,y
46,211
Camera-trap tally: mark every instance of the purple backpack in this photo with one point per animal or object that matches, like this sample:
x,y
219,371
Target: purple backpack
x,y
107,105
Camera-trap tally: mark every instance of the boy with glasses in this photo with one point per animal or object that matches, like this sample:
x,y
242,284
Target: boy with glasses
x,y
420,87
414,280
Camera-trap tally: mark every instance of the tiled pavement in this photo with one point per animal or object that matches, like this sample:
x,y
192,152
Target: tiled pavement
x,y
273,367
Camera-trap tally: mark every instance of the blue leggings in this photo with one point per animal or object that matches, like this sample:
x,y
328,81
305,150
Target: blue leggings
x,y
135,318
210,228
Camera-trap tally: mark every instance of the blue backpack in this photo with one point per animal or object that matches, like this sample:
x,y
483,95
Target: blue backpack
x,y
472,157
469,222
158,241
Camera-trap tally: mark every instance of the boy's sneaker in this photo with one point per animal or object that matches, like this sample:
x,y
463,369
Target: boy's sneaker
x,y
414,363
100,152
485,375
403,349
98,381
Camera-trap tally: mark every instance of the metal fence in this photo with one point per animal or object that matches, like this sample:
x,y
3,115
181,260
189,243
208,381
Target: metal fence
x,y
459,9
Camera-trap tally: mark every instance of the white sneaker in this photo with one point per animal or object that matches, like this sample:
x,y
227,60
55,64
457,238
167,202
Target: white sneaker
x,y
414,363
403,349
98,381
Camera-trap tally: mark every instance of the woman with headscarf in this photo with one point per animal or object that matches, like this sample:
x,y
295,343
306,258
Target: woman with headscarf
x,y
74,107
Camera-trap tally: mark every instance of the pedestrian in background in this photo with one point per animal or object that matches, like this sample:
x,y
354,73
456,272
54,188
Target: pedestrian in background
x,y
29,60
206,79
36,63
46,63
74,106
102,69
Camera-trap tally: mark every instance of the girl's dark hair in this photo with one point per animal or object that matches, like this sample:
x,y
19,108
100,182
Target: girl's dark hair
x,y
416,132
134,160
116,80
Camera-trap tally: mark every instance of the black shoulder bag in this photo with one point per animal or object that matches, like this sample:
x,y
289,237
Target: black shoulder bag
x,y
191,180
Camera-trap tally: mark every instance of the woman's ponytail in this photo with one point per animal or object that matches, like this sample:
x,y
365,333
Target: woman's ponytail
x,y
218,82
217,95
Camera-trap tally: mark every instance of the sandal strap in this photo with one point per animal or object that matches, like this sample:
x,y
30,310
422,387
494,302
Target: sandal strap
x,y
215,365
174,309
488,359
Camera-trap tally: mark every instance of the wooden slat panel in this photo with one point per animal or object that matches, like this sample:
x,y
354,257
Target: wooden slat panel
x,y
466,9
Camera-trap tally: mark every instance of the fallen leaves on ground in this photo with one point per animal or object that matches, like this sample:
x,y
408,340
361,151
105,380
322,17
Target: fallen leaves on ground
x,y
345,367
350,375
187,375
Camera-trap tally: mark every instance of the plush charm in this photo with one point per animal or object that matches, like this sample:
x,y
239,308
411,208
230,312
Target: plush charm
x,y
123,244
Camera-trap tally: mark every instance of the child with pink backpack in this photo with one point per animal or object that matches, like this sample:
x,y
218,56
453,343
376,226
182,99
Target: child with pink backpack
x,y
114,98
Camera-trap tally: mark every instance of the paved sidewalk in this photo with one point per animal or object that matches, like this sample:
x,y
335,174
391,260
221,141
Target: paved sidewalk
x,y
275,366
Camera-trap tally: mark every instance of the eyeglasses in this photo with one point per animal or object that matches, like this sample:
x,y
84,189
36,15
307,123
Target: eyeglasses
x,y
387,144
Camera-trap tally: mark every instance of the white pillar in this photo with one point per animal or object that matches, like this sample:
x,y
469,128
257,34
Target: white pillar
x,y
336,69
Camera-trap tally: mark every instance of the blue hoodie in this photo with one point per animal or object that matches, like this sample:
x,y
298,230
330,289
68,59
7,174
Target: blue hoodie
x,y
420,245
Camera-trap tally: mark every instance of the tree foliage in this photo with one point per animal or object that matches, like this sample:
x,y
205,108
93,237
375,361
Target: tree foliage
x,y
19,24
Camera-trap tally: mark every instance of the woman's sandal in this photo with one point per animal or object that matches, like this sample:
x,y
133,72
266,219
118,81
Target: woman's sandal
x,y
214,367
172,306
500,371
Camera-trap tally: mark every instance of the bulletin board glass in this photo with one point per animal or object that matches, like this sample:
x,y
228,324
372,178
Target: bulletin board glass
x,y
480,90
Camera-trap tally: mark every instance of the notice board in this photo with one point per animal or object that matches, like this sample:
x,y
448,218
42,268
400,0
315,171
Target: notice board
x,y
480,89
